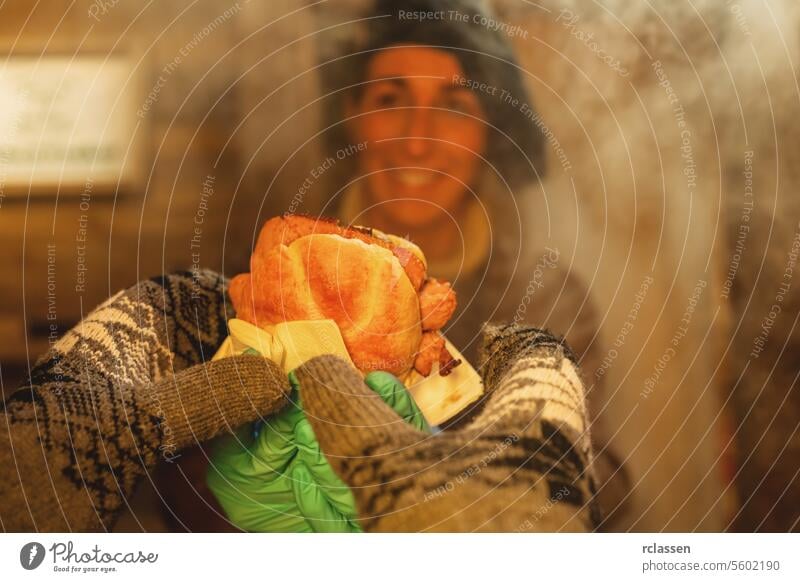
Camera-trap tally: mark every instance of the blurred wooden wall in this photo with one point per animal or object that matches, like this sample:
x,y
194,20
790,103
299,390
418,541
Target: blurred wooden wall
x,y
713,443
221,112
644,227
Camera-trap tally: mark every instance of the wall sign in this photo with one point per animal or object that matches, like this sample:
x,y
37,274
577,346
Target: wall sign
x,y
64,121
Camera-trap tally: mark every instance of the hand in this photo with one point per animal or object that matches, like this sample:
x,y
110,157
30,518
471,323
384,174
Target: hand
x,y
104,427
276,479
522,464
119,391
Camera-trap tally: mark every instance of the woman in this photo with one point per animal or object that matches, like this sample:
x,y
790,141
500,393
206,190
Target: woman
x,y
452,157
450,153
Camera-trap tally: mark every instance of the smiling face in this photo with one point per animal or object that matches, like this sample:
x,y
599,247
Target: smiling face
x,y
425,134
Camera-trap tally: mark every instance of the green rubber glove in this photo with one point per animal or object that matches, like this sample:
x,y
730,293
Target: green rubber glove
x,y
274,478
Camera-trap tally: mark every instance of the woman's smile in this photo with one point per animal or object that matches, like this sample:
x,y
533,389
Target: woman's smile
x,y
415,178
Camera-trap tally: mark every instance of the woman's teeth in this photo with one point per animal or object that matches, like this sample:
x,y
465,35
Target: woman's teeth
x,y
414,177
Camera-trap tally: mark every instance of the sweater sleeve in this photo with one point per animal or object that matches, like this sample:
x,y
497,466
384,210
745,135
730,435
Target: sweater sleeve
x,y
118,392
521,464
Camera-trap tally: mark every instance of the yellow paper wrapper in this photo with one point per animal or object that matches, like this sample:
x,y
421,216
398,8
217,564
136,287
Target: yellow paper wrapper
x,y
292,343
440,398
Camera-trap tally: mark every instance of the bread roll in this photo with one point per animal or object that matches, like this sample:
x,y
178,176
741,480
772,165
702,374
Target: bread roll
x,y
361,286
